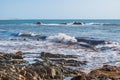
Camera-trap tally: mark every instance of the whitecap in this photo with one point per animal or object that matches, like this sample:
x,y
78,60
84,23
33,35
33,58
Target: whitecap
x,y
62,38
28,34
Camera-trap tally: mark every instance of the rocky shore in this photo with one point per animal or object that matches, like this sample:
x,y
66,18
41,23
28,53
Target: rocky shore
x,y
13,66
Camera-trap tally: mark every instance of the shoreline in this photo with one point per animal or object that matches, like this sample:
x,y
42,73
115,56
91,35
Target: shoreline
x,y
52,66
95,53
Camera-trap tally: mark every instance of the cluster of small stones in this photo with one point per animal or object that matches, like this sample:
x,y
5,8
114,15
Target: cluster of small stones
x,y
13,67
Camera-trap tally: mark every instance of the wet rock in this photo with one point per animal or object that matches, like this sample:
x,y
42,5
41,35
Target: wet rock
x,y
106,72
79,78
77,23
17,55
50,69
13,39
109,68
75,63
70,62
38,22
49,55
42,37
54,71
25,39
90,41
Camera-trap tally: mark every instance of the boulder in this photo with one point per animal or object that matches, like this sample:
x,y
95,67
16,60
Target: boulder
x,y
38,22
49,55
107,72
90,41
80,77
77,23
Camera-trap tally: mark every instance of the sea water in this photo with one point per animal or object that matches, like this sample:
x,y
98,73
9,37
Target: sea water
x,y
54,36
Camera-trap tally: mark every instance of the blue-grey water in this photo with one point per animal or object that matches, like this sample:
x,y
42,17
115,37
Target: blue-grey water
x,y
101,29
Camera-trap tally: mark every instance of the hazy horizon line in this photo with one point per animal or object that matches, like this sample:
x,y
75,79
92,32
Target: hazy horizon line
x,y
59,19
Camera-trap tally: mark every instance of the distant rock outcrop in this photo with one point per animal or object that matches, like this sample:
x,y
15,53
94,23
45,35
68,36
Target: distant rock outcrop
x,y
77,23
38,22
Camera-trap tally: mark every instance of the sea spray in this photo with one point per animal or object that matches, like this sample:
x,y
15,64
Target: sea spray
x,y
62,38
28,34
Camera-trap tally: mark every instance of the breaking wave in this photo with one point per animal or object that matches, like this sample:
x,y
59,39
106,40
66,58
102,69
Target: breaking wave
x,y
113,46
62,38
28,34
102,24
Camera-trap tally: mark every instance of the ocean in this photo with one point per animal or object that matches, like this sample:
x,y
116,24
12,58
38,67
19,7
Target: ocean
x,y
61,37
102,29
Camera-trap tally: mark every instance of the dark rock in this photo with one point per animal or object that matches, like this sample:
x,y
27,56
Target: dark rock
x,y
65,62
13,69
90,41
85,45
39,23
79,78
74,63
16,56
19,53
77,23
25,39
58,61
43,37
105,73
49,55
26,34
109,68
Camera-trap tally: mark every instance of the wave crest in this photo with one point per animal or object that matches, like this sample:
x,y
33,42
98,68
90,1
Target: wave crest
x,y
28,34
62,38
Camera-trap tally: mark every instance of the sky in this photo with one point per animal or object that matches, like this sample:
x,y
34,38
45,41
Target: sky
x,y
59,9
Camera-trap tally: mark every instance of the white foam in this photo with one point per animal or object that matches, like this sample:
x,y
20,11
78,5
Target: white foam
x,y
32,60
28,34
51,24
63,38
110,45
95,59
95,24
